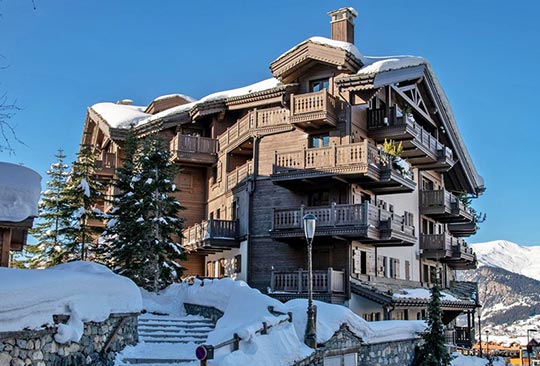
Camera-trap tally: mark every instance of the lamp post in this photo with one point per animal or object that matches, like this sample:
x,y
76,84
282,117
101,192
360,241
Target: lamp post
x,y
487,344
310,338
529,349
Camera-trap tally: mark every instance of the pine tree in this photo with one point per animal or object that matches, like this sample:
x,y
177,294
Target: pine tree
x,y
84,192
159,214
123,247
433,352
144,228
54,218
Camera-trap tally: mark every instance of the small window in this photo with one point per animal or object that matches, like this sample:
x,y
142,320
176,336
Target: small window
x,y
315,141
318,85
237,263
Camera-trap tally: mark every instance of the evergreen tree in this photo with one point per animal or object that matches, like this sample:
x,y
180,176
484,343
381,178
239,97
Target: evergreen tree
x,y
84,192
123,248
54,218
144,228
433,351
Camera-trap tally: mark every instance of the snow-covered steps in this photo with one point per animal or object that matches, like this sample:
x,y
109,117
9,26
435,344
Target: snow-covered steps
x,y
165,340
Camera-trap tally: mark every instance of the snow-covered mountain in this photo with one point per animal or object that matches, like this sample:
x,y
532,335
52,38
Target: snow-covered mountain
x,y
509,286
510,256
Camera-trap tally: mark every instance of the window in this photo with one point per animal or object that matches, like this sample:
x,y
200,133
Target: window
x,y
320,198
210,269
237,263
363,262
318,85
427,185
319,140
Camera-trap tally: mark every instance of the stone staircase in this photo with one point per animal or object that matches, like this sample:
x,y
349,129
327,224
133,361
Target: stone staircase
x,y
165,340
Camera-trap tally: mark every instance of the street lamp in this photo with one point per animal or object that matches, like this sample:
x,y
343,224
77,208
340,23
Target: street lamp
x,y
310,338
529,348
487,344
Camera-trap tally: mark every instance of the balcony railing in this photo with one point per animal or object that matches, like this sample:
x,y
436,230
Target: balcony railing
x,y
350,220
213,233
313,109
328,281
444,206
359,161
258,119
448,248
239,174
194,149
106,165
414,139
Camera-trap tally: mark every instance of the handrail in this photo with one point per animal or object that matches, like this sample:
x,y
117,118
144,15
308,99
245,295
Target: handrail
x,y
235,340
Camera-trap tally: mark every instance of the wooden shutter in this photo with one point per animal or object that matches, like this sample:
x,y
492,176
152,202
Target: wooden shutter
x,y
380,266
237,263
371,263
396,273
356,261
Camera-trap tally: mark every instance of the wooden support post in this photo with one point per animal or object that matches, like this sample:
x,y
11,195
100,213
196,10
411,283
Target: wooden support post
x,y
5,237
329,280
300,281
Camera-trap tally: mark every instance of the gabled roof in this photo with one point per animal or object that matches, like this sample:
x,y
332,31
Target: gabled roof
x,y
339,54
382,71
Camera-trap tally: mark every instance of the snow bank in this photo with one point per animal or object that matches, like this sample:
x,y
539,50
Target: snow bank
x,y
120,115
83,290
421,293
461,360
20,188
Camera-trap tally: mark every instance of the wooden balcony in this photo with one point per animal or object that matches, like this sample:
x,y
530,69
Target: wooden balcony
x,y
194,149
106,165
365,222
350,163
261,121
211,236
313,110
328,285
463,229
444,206
446,248
420,148
239,174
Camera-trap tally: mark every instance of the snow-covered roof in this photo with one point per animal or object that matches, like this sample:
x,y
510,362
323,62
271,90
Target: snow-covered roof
x,y
421,293
346,46
120,115
124,116
373,64
20,188
84,290
169,96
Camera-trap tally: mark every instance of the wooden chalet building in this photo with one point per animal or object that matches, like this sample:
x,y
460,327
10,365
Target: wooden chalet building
x,y
309,140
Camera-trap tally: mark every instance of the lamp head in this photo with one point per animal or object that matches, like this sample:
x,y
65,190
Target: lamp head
x,y
310,223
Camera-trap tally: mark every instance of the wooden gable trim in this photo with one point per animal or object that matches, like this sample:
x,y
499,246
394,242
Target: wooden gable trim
x,y
287,65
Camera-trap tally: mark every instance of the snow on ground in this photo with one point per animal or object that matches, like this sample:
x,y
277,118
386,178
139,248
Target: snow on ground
x,y
86,291
461,360
20,188
245,309
421,293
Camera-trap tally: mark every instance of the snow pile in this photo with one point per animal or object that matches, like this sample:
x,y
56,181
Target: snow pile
x,y
83,290
20,188
346,46
509,256
120,115
461,360
421,293
245,309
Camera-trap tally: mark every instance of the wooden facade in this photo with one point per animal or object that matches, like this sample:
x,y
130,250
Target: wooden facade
x,y
254,164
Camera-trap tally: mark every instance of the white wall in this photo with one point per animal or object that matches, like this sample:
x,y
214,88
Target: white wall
x,y
228,256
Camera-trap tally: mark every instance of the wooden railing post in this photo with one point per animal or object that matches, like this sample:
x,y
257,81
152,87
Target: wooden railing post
x,y
299,285
329,282
333,214
301,218
273,281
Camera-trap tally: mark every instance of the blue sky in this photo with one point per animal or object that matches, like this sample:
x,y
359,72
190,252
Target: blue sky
x,y
67,55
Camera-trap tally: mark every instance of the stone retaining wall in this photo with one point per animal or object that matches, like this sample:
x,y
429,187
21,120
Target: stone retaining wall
x,y
209,312
38,348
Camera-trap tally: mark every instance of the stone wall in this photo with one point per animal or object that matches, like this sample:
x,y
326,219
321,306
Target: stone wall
x,y
209,312
344,346
38,348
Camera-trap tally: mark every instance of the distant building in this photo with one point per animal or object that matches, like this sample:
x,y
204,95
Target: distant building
x,y
310,140
19,195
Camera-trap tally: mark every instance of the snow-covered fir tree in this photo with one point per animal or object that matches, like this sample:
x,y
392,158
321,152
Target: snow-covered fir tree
x,y
144,229
84,192
433,351
54,218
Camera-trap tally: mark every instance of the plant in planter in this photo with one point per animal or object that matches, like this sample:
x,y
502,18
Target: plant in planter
x,y
391,156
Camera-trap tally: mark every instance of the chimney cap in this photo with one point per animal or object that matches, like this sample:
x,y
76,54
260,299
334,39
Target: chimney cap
x,y
124,102
343,13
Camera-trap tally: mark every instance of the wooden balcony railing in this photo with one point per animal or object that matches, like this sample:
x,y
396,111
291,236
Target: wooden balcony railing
x,y
317,108
404,127
329,281
106,165
239,174
254,120
443,203
328,157
214,229
331,219
445,246
194,148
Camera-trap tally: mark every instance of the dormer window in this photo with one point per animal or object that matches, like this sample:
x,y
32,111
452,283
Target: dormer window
x,y
318,85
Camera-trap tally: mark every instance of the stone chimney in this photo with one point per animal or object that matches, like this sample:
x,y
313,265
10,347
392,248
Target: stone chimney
x,y
342,24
